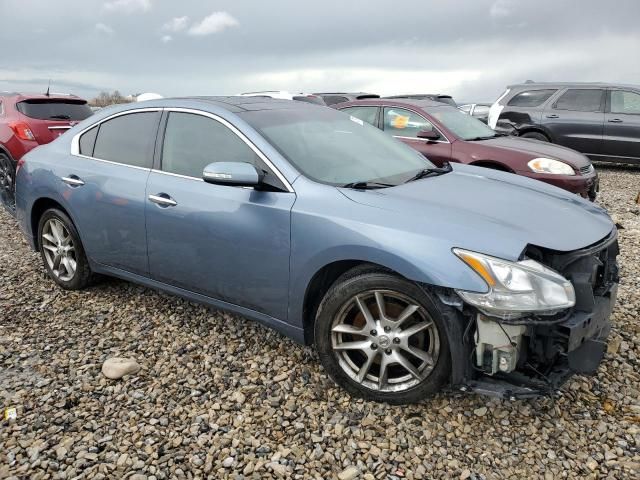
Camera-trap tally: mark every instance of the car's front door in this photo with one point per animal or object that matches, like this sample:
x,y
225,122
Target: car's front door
x,y
226,242
576,119
622,127
405,124
105,181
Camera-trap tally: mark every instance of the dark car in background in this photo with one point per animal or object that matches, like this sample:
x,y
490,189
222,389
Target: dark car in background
x,y
598,119
477,110
436,97
339,97
29,120
443,133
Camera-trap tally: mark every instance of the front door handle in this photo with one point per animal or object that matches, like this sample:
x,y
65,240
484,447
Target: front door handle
x,y
163,200
614,120
553,115
73,181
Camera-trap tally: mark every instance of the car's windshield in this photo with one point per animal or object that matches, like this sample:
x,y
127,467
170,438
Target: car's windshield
x,y
464,126
336,149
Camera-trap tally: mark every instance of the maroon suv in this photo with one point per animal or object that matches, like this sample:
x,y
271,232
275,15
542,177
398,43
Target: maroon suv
x,y
29,120
444,133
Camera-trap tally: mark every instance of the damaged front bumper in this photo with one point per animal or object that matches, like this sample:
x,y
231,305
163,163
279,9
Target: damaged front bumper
x,y
535,356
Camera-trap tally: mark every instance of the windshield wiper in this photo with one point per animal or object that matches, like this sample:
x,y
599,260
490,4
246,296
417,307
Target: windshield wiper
x,y
480,138
366,185
428,172
61,117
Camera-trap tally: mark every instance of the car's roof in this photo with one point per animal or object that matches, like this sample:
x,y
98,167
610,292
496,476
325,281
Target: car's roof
x,y
398,101
416,95
233,103
569,84
40,96
351,94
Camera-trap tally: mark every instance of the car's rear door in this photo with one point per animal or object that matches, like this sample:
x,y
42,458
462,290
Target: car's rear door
x,y
104,185
622,126
575,119
226,242
404,124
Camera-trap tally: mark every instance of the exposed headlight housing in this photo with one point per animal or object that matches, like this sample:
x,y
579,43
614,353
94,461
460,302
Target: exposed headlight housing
x,y
516,288
549,165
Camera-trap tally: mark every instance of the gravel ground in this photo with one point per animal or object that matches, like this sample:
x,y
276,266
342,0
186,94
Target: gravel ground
x,y
220,396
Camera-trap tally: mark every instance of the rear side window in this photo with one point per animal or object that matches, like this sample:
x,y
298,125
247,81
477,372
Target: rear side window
x,y
404,123
88,141
333,99
581,100
447,100
366,114
531,98
191,142
625,102
128,139
54,109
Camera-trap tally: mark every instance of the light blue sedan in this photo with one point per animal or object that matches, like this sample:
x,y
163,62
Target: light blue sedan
x,y
405,277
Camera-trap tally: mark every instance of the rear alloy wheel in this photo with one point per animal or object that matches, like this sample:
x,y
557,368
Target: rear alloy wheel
x,y
62,251
380,337
7,180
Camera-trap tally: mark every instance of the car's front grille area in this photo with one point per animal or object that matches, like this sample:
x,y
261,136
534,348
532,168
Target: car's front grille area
x,y
586,170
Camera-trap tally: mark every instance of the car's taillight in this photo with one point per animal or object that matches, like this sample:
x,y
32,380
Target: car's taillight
x,y
22,130
20,164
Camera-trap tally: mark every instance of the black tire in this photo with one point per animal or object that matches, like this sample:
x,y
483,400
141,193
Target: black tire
x,y
83,275
536,136
7,180
367,279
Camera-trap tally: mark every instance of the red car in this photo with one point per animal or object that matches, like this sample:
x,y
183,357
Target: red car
x,y
29,120
445,134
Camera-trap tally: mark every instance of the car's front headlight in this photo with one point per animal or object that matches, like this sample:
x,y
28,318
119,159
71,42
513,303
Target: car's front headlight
x,y
516,288
549,165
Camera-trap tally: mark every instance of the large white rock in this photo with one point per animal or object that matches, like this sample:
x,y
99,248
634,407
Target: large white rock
x,y
117,367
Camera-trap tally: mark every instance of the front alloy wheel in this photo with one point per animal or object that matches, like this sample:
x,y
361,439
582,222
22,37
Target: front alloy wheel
x,y
382,337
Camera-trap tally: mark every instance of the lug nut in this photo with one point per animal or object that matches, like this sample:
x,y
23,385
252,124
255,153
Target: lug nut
x,y
374,333
388,351
387,329
374,346
396,340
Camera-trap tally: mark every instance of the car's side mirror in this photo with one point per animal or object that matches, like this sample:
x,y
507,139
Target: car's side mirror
x,y
428,135
239,174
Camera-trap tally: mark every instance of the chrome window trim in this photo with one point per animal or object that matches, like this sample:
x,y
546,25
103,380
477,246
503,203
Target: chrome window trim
x,y
188,177
75,141
242,137
404,107
60,127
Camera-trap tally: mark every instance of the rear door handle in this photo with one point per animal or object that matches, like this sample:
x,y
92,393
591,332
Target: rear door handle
x,y
553,115
163,200
614,120
73,181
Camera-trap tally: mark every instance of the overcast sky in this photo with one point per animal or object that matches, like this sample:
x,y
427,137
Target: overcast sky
x,y
470,49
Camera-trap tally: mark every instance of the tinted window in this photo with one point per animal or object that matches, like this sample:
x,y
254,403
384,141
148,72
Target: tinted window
x,y
404,123
128,139
309,99
54,109
332,99
87,142
191,142
329,147
445,99
580,100
625,102
366,114
531,98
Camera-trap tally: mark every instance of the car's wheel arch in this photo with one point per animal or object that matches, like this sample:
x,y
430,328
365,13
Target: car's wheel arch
x,y
493,164
41,205
535,129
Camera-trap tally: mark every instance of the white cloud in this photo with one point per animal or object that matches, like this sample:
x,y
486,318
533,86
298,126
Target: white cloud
x,y
127,6
501,8
176,24
166,38
103,28
214,23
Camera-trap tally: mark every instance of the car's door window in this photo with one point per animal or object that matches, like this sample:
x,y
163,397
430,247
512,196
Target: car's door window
x,y
531,98
400,122
88,141
625,102
191,142
128,139
366,114
581,100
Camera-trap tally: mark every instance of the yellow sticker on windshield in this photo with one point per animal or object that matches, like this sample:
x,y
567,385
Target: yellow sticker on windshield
x,y
400,121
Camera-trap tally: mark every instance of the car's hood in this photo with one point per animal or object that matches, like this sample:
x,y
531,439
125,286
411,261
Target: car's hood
x,y
536,148
490,211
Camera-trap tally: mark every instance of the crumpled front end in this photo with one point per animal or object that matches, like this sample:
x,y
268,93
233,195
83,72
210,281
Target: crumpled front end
x,y
534,355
